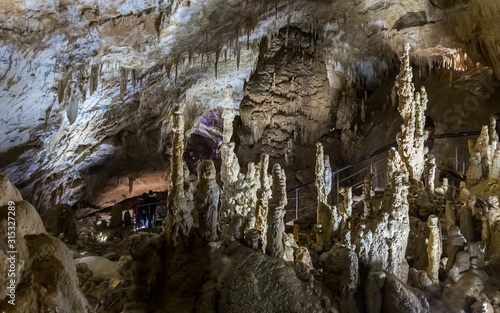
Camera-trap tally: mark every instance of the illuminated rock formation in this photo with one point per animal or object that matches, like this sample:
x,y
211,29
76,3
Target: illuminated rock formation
x,y
430,173
367,194
411,107
326,215
230,167
263,195
434,248
276,215
179,220
399,225
475,171
207,200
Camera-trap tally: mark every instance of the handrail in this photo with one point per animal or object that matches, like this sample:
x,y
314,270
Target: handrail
x,y
145,204
387,148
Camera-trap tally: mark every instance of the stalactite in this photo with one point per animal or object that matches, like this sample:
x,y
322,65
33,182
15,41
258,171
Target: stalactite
x,y
217,54
123,81
94,78
134,78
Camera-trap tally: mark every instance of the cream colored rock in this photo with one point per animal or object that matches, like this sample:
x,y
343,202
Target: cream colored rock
x,y
325,224
263,195
411,107
275,218
434,248
7,191
179,220
430,173
475,171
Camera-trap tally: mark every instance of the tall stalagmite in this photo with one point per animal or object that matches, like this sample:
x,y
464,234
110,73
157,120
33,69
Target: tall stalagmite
x,y
207,200
230,167
275,219
324,212
411,107
434,248
399,225
179,220
263,196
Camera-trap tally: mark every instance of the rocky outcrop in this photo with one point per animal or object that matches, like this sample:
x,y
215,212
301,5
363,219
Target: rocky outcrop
x,y
45,278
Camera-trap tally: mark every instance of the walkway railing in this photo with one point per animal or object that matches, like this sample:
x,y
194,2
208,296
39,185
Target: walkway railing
x,y
150,218
356,179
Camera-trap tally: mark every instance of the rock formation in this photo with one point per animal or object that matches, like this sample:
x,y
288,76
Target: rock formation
x,y
434,248
411,107
276,215
207,200
264,193
179,220
326,221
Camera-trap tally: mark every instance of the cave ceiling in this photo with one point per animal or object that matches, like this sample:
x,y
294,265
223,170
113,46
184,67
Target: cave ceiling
x,y
87,87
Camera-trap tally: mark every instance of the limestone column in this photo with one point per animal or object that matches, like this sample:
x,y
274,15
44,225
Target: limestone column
x,y
475,171
367,194
230,167
179,220
207,200
275,219
430,174
324,231
411,107
263,196
434,248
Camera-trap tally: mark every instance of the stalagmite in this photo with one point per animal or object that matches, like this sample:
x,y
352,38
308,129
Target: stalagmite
x,y
367,193
179,220
399,226
346,205
465,220
434,248
324,225
475,171
411,107
230,167
263,195
207,200
430,173
494,170
275,219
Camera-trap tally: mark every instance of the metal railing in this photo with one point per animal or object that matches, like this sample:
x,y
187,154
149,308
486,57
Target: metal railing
x,y
379,178
150,217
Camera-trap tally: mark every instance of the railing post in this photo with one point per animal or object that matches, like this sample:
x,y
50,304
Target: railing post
x,y
297,203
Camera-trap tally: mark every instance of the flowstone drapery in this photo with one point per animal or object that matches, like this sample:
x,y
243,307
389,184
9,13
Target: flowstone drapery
x,y
411,107
179,220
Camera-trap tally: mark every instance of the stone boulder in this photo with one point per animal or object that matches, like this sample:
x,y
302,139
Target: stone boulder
x,y
7,191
